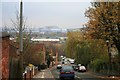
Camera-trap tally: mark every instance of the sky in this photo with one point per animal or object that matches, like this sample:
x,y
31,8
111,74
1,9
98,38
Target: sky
x,y
39,14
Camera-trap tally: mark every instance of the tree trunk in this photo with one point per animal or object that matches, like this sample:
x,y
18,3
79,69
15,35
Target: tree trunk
x,y
118,48
117,44
119,58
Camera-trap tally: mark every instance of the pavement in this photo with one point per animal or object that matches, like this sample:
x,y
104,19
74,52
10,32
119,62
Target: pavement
x,y
105,76
44,74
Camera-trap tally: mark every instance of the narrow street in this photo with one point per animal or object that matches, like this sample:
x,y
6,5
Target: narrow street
x,y
79,76
53,74
82,76
60,39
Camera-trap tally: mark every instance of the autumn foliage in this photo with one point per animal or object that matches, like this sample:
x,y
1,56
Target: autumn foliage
x,y
104,22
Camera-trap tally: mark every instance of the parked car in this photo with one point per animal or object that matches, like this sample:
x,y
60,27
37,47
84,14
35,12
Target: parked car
x,y
59,66
75,67
72,61
63,62
66,72
82,69
79,65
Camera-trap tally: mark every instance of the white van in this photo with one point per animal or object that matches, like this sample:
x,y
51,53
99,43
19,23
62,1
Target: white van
x,y
72,61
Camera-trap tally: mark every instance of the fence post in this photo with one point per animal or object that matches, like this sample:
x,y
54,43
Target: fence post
x,y
25,75
30,74
119,68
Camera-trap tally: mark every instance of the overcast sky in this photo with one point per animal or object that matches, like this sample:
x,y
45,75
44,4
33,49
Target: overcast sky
x,y
40,14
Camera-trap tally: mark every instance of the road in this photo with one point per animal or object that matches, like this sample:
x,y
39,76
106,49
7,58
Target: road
x,y
53,74
79,75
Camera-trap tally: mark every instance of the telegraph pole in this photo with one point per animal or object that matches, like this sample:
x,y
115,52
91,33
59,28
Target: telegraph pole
x,y
20,71
20,31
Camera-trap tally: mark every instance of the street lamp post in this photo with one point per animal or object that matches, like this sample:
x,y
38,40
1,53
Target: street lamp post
x,y
109,55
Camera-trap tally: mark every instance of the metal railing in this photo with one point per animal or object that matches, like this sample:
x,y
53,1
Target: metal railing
x,y
29,73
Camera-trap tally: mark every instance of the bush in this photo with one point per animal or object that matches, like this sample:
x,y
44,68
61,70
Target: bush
x,y
97,65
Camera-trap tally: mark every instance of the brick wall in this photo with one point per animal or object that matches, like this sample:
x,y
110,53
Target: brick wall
x,y
13,61
5,57
0,59
13,50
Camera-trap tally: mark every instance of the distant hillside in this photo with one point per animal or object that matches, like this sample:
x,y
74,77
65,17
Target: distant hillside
x,y
47,29
43,29
51,27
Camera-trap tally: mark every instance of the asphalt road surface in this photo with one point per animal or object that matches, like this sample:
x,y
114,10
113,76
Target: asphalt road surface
x,y
79,75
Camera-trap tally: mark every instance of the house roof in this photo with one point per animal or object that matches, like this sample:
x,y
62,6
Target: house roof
x,y
39,47
4,34
45,39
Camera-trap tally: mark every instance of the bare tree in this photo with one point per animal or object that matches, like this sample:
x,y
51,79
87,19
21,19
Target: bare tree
x,y
16,23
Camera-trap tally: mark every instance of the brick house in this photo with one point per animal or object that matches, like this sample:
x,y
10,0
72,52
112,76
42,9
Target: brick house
x,y
39,48
4,41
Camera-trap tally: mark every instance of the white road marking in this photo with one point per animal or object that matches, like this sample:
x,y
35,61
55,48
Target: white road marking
x,y
43,70
77,76
42,75
51,74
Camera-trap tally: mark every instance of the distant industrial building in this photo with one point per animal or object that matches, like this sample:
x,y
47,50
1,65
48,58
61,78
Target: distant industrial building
x,y
44,40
